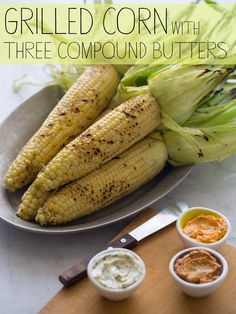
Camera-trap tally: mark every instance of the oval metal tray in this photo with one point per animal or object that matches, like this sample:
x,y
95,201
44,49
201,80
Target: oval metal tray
x,y
18,128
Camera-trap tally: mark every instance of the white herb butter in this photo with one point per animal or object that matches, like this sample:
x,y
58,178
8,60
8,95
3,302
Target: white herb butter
x,y
116,270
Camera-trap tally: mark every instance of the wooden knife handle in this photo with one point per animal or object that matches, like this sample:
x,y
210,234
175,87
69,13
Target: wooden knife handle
x,y
79,271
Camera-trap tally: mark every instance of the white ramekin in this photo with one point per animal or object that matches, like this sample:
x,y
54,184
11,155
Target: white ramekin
x,y
202,289
191,213
116,294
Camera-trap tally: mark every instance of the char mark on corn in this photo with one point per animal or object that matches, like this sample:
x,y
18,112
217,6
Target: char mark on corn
x,y
77,110
112,181
111,135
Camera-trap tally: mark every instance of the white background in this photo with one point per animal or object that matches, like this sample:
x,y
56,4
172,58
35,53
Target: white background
x,y
30,263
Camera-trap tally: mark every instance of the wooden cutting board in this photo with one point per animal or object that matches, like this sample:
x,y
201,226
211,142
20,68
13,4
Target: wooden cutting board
x,y
158,294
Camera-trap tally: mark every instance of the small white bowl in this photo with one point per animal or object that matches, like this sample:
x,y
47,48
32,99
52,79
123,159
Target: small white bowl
x,y
203,289
190,214
116,294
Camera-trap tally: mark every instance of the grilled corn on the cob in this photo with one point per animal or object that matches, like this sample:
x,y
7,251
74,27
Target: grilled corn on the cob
x,y
111,135
112,181
78,109
31,201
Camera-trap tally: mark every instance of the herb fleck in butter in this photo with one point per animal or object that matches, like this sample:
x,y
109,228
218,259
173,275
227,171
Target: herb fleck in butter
x,y
117,270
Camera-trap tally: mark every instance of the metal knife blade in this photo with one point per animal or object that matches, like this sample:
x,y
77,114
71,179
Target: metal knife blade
x,y
159,221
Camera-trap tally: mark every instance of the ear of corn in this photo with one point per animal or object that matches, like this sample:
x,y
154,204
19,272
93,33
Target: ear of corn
x,y
78,109
112,181
111,135
35,197
31,201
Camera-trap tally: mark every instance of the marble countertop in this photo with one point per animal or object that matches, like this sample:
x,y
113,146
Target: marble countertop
x,y
30,263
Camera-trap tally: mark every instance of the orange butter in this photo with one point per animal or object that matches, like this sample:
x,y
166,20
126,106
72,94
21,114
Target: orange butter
x,y
198,266
205,228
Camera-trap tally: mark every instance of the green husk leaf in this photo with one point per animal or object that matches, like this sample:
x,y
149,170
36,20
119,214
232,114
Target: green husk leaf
x,y
222,94
209,135
210,2
214,144
220,108
219,114
135,80
180,89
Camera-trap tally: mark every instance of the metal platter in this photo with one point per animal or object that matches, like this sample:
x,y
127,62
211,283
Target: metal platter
x,y
19,127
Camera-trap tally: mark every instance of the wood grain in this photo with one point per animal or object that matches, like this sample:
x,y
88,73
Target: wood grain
x,y
159,293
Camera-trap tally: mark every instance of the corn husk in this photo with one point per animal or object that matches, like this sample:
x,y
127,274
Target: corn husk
x,y
209,134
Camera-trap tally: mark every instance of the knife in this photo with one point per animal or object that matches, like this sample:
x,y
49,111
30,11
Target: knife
x,y
128,240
